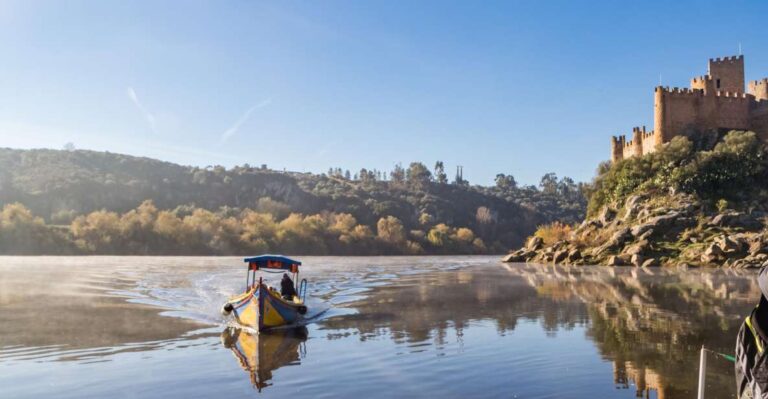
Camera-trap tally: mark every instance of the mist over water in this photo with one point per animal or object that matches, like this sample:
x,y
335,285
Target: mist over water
x,y
378,327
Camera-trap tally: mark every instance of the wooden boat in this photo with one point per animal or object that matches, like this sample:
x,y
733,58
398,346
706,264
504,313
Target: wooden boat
x,y
261,307
261,354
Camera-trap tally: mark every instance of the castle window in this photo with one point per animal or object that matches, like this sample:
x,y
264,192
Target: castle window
x,y
718,83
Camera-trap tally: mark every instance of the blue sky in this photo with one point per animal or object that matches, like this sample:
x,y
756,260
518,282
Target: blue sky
x,y
523,88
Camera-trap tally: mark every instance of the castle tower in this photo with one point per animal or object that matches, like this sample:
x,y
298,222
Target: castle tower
x,y
659,117
727,73
617,148
637,141
759,89
705,83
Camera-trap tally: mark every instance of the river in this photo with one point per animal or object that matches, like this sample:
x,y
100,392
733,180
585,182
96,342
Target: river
x,y
380,327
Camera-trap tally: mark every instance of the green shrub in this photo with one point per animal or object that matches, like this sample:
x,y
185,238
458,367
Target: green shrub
x,y
730,170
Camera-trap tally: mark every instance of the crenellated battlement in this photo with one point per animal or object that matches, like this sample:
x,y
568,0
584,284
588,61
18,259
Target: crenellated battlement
x,y
729,60
702,79
715,101
734,95
681,91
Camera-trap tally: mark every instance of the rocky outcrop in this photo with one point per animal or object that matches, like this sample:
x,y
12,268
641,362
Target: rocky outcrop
x,y
662,230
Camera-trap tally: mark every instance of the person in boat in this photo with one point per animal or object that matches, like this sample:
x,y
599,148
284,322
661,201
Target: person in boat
x,y
751,345
286,287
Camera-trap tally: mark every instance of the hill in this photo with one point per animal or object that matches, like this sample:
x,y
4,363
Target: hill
x,y
697,201
87,202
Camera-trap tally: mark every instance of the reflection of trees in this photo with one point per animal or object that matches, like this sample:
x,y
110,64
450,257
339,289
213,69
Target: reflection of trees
x,y
426,306
260,354
651,324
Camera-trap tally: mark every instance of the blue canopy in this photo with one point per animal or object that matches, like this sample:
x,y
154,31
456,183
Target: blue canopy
x,y
272,262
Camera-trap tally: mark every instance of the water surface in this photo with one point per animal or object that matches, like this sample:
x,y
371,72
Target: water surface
x,y
381,327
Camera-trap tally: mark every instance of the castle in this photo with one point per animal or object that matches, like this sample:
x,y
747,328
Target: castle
x,y
715,102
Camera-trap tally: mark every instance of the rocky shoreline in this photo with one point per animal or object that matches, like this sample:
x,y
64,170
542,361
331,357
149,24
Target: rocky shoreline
x,y
659,230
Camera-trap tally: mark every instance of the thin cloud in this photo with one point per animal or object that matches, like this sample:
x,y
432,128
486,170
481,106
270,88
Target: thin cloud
x,y
243,118
147,115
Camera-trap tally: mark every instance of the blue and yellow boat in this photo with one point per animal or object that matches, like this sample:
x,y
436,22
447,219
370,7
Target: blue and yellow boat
x,y
261,307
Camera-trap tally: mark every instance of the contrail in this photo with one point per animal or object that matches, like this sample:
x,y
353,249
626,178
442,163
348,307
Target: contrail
x,y
243,118
147,115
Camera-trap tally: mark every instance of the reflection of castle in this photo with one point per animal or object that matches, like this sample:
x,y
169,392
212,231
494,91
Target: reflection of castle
x,y
715,101
645,380
651,322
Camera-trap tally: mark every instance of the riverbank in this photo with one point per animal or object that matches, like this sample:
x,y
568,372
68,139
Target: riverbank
x,y
659,230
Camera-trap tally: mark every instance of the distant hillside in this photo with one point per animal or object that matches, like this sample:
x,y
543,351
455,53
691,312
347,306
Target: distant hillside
x,y
59,186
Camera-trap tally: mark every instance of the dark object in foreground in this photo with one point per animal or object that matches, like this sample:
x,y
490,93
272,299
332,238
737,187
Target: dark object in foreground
x,y
751,342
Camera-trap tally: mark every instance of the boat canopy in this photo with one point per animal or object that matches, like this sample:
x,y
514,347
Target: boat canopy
x,y
272,262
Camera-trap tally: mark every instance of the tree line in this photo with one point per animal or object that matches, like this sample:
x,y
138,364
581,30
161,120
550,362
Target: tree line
x,y
147,230
84,201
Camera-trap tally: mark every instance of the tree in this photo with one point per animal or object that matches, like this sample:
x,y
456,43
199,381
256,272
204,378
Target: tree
x,y
397,175
440,175
484,215
438,235
367,176
418,175
459,179
548,183
390,230
505,182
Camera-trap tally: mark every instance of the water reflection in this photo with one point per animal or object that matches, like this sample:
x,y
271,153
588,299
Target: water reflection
x,y
418,308
261,354
397,327
649,323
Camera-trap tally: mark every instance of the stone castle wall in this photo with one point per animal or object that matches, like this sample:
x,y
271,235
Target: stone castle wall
x,y
716,101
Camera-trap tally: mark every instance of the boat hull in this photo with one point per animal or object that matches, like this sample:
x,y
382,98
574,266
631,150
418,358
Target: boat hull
x,y
262,308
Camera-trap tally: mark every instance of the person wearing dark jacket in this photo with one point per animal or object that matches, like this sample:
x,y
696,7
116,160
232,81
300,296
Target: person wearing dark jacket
x,y
751,345
286,287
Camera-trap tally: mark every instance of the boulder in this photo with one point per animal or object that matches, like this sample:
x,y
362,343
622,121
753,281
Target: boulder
x,y
712,254
757,247
636,260
641,229
614,261
746,263
534,243
730,244
636,248
559,256
665,220
650,262
632,206
606,216
734,219
574,255
513,257
620,237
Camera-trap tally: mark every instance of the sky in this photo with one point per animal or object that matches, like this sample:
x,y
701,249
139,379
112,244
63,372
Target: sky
x,y
515,87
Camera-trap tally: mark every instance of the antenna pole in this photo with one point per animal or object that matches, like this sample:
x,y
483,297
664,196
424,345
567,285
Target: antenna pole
x,y
702,372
